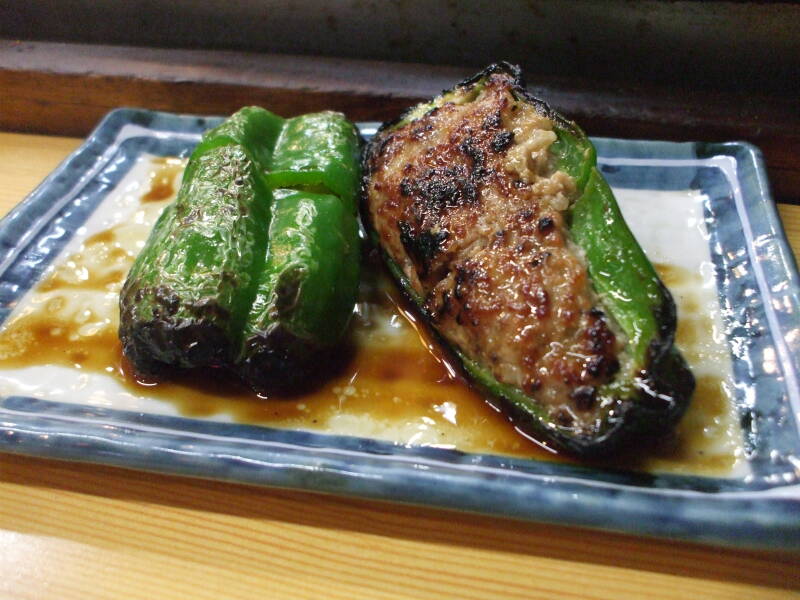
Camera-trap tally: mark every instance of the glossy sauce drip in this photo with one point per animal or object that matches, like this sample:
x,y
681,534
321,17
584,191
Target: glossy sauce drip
x,y
396,386
399,391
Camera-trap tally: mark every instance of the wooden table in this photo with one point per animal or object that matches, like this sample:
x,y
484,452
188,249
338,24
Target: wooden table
x,y
73,531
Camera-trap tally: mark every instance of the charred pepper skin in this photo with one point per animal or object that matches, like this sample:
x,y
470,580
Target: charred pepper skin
x,y
307,290
645,401
189,290
241,264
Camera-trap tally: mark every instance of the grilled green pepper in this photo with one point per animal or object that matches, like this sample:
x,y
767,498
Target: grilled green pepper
x,y
306,291
308,287
189,290
238,263
633,382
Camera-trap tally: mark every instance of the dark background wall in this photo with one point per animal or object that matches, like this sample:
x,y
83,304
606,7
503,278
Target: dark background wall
x,y
711,45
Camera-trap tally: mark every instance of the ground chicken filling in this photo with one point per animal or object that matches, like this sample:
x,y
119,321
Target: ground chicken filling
x,y
467,201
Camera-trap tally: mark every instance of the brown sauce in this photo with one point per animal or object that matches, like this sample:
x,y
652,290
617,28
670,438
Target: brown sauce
x,y
162,182
397,385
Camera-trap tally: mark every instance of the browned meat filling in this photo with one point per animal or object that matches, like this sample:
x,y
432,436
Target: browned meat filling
x,y
466,200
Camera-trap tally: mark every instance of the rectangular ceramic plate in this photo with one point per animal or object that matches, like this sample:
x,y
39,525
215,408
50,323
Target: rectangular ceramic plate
x,y
756,284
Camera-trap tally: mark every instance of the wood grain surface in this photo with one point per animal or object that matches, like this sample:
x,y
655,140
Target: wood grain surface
x,y
80,532
66,88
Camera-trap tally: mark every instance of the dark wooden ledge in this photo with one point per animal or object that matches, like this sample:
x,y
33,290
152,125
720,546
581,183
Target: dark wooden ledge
x,y
66,88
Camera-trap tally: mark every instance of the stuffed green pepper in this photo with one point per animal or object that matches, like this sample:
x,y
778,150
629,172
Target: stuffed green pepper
x,y
492,215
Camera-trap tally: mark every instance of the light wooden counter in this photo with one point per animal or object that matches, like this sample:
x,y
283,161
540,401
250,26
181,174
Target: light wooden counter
x,y
79,532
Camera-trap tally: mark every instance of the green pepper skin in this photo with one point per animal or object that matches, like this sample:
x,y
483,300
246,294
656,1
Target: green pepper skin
x,y
191,286
646,399
254,129
318,152
306,291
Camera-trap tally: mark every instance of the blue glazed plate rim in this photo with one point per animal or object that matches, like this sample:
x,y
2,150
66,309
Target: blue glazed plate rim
x,y
698,509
